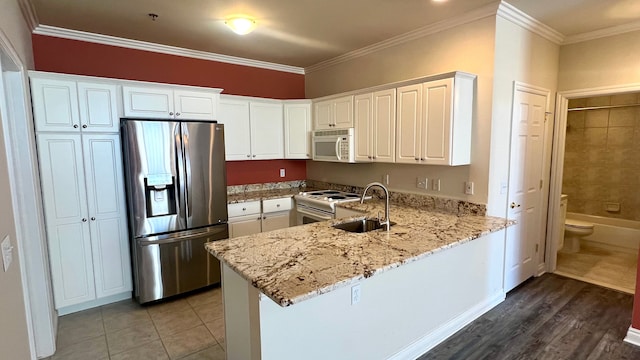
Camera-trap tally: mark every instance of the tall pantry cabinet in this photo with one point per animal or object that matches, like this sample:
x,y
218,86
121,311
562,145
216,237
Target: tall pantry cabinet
x,y
78,144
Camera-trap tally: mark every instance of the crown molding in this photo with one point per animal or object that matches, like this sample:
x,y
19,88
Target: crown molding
x,y
159,48
516,16
477,14
29,13
597,34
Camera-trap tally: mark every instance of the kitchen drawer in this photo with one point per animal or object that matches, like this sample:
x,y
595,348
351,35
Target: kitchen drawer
x,y
245,208
272,205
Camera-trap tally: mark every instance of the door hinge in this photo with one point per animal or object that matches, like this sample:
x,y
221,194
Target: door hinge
x,y
536,248
541,182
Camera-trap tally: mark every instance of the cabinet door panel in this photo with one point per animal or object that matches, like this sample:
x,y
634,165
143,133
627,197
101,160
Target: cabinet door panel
x,y
437,121
323,118
71,265
384,125
297,131
267,131
409,118
363,118
344,112
234,114
106,204
194,105
275,221
98,107
55,105
148,102
245,227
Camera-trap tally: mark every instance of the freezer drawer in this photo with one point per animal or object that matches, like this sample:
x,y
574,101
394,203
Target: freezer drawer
x,y
171,266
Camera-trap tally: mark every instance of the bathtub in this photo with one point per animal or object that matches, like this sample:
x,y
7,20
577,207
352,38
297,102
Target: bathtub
x,y
610,232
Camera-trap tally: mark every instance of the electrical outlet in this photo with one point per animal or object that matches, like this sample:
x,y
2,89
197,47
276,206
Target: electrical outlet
x,y
282,172
385,179
421,183
7,252
356,294
435,186
468,187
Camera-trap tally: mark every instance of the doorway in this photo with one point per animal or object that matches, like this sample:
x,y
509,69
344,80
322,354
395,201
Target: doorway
x,y
594,166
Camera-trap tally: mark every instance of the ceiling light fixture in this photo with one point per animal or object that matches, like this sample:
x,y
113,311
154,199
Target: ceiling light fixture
x,y
241,25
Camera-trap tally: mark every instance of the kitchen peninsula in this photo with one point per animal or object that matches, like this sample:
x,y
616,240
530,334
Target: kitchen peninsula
x,y
317,292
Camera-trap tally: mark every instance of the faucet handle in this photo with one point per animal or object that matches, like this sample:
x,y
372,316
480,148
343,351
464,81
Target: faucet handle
x,y
379,219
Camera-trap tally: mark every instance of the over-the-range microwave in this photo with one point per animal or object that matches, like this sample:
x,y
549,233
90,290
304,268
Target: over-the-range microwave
x,y
334,145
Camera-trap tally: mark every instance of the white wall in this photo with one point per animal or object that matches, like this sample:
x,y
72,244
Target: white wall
x,y
468,48
520,55
14,340
604,62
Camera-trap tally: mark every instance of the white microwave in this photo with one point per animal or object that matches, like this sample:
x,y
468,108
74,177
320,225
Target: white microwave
x,y
334,145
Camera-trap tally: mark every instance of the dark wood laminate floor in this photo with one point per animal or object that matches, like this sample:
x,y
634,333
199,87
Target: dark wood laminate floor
x,y
550,317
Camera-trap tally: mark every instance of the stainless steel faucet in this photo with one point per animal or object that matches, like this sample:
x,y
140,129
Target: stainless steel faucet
x,y
387,221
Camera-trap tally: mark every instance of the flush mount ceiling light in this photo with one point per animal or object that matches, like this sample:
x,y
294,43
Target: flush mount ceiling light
x,y
241,25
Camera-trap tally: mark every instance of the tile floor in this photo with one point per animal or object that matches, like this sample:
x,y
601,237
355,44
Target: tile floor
x,y
601,266
188,328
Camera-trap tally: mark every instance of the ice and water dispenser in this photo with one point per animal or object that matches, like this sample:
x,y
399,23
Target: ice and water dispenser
x,y
160,193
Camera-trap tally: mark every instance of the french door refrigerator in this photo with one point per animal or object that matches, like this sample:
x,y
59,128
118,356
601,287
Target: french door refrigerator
x,y
176,186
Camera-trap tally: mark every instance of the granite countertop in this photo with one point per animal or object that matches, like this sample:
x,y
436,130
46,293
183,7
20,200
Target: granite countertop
x,y
297,263
256,195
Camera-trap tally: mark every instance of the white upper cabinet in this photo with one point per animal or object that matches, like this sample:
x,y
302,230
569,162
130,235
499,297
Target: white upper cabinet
x,y
336,113
297,129
98,107
170,103
375,124
55,105
434,121
253,128
234,114
267,137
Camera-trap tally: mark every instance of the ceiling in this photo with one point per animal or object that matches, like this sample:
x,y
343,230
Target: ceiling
x,y
304,32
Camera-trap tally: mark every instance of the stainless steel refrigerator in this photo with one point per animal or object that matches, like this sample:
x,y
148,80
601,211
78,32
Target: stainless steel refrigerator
x,y
177,201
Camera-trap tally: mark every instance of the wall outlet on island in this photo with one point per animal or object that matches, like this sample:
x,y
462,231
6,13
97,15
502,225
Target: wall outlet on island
x,y
355,294
282,173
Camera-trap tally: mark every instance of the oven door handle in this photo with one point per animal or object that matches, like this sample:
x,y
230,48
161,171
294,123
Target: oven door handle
x,y
314,214
338,148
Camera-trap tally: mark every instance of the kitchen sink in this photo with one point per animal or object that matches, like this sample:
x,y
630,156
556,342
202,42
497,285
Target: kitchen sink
x,y
360,226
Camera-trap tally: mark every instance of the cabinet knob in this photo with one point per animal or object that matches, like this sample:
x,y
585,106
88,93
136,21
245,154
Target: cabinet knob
x,y
421,159
264,218
177,114
514,205
277,205
373,157
93,218
171,113
368,157
254,156
75,126
84,219
84,126
244,209
416,159
248,155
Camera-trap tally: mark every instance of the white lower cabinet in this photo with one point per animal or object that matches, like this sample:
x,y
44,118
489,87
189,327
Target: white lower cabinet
x,y
85,217
253,217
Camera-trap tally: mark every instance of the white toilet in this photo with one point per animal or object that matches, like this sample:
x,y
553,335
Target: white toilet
x,y
574,230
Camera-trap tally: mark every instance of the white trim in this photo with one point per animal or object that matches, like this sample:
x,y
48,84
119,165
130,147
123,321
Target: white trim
x,y
477,14
516,16
432,339
94,303
29,14
597,34
159,48
557,167
633,336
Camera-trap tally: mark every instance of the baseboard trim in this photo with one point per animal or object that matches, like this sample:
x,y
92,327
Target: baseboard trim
x,y
432,339
633,336
94,303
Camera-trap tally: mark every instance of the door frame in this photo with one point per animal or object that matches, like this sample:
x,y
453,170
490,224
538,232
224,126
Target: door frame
x,y
539,258
19,137
557,159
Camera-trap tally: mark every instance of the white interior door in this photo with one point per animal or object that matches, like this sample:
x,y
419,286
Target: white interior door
x,y
525,184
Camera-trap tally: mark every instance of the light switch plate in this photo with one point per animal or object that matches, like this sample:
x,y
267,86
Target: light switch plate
x,y
282,173
7,252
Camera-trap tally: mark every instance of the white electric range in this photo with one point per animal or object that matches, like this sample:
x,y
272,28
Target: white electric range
x,y
314,206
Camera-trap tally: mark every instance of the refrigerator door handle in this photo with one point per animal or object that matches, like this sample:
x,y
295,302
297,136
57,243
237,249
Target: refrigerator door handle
x,y
187,167
217,232
180,201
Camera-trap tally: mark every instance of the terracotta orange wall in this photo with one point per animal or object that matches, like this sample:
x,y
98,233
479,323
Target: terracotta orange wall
x,y
83,58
